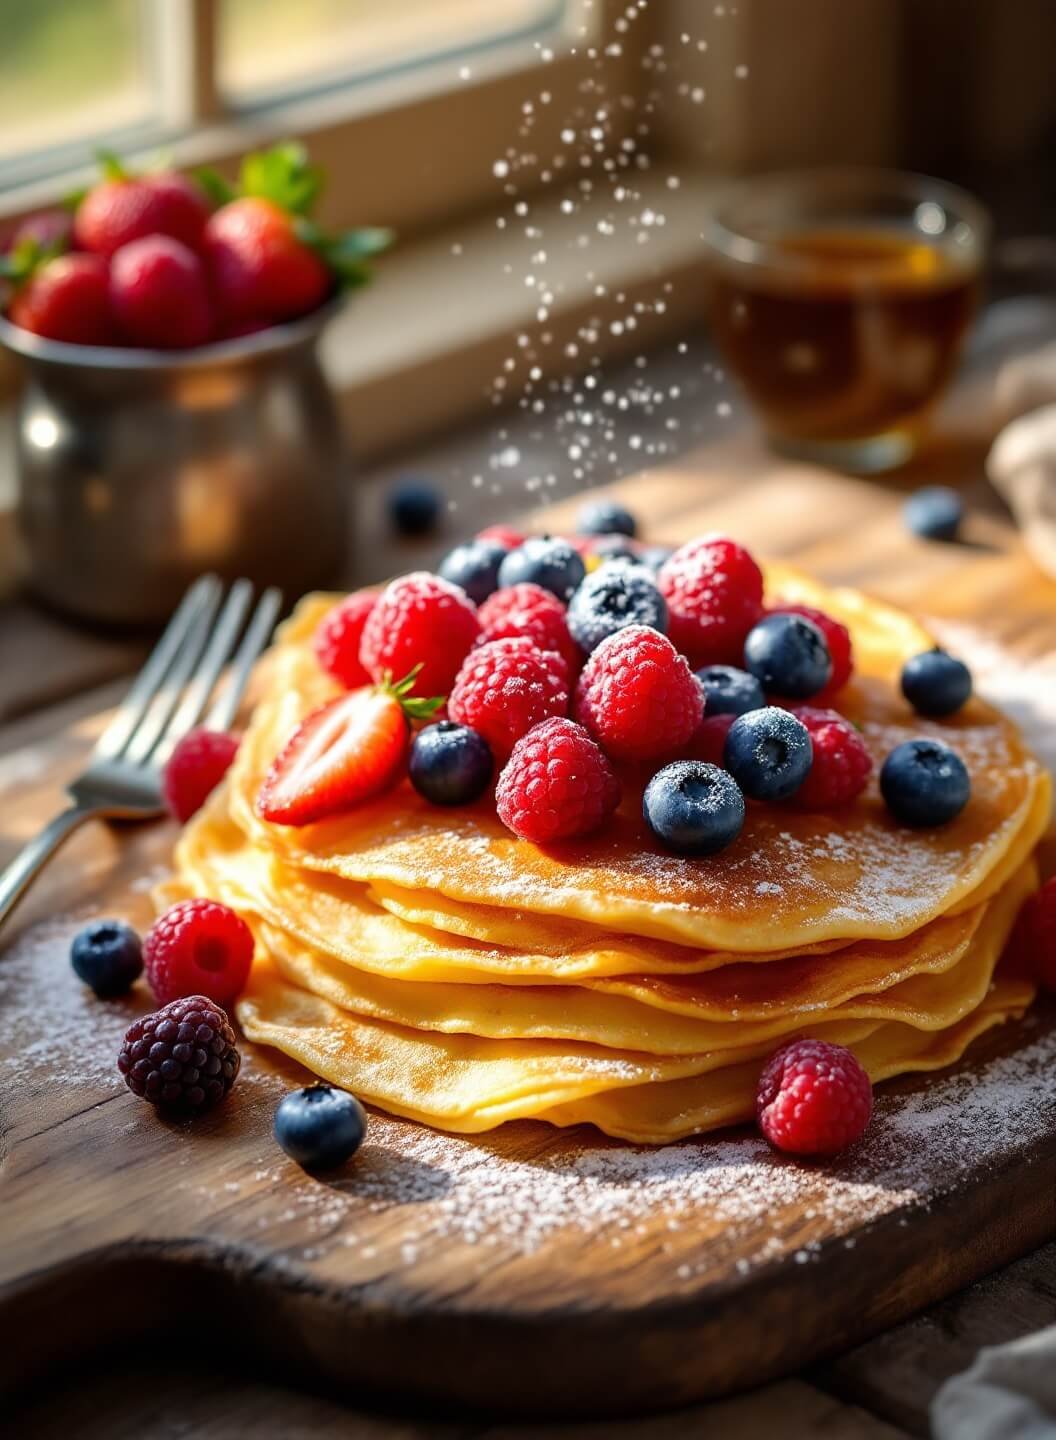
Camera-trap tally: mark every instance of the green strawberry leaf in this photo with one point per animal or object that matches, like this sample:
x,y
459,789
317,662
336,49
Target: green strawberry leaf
x,y
219,190
73,198
111,165
282,175
415,707
19,264
345,254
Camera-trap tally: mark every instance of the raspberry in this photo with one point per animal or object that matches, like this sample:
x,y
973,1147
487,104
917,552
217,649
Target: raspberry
x,y
181,1058
838,639
507,686
714,591
338,636
529,610
419,619
638,697
842,765
195,768
1033,944
198,947
505,535
813,1098
557,784
709,743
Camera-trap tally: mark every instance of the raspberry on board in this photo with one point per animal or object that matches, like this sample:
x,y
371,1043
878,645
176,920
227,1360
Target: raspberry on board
x,y
338,636
198,947
842,765
714,594
529,610
638,697
813,1098
195,768
182,1058
838,639
423,620
507,686
556,785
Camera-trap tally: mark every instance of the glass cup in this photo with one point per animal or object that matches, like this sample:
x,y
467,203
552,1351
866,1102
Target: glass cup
x,y
841,302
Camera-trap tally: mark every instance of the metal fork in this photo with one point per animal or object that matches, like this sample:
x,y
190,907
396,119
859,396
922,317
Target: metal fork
x,y
167,698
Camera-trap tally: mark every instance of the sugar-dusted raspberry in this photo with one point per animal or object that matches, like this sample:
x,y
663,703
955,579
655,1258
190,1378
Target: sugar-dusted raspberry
x,y
182,1058
638,697
714,592
813,1098
842,765
338,635
838,639
709,743
557,784
531,611
506,535
423,620
1032,948
507,686
198,947
195,768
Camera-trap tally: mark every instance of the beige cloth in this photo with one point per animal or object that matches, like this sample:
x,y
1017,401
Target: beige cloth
x,y
1022,462
1008,1394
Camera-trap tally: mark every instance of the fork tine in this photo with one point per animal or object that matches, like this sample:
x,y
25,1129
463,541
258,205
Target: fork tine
x,y
143,689
202,683
153,724
258,633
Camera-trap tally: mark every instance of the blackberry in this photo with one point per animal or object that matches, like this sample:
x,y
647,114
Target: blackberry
x,y
182,1058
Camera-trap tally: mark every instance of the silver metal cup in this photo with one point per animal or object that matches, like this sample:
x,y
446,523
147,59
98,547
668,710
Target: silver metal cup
x,y
140,469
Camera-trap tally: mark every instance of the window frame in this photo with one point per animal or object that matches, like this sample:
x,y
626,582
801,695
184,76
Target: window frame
x,y
470,123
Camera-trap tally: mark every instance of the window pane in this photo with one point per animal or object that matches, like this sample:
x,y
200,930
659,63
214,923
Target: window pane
x,y
69,70
273,44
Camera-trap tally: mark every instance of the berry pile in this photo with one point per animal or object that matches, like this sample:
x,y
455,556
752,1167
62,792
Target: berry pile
x,y
166,262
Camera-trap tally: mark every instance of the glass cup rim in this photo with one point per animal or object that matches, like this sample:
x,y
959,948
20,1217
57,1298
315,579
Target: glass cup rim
x,y
733,245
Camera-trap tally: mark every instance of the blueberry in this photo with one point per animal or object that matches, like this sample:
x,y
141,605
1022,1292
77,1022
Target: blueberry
x,y
936,683
654,557
474,566
769,753
320,1127
414,506
605,517
934,513
789,656
450,764
729,691
924,782
107,956
693,808
553,564
611,599
614,547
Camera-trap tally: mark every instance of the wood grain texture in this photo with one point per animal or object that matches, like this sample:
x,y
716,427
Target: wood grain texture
x,y
114,1220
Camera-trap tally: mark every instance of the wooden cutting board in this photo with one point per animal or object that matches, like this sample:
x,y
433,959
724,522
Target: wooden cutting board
x,y
527,1270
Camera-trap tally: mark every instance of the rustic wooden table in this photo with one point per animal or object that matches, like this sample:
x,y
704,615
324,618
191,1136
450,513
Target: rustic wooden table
x,y
846,531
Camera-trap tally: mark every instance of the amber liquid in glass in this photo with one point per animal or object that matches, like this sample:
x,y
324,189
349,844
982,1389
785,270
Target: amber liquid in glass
x,y
856,338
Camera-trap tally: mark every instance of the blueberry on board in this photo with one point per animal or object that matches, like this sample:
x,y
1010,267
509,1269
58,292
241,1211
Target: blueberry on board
x,y
108,956
729,691
789,656
769,753
924,782
934,513
414,506
693,808
611,599
935,683
605,517
320,1126
543,560
450,764
474,566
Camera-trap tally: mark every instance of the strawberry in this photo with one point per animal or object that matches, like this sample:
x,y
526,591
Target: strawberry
x,y
123,207
159,294
346,751
268,261
65,298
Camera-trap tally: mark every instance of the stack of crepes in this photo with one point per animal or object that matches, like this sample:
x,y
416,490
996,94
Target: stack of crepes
x,y
444,970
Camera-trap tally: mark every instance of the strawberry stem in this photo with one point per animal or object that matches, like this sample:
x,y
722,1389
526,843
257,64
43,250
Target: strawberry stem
x,y
414,707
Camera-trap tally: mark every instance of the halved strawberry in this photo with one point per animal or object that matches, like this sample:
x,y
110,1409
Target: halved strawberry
x,y
342,753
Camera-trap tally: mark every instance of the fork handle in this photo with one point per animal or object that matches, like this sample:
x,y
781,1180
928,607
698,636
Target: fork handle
x,y
27,864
